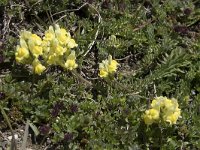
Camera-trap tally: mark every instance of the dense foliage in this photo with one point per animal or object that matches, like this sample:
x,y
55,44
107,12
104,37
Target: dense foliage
x,y
156,44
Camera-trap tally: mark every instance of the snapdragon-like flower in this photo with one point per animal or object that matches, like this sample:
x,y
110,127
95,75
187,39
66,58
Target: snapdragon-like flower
x,y
151,116
29,50
171,112
38,67
71,43
21,54
167,108
49,34
30,45
35,45
172,117
25,34
62,35
107,67
71,61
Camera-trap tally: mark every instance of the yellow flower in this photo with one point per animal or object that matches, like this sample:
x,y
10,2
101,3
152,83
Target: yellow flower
x,y
112,64
103,69
172,116
48,36
34,40
71,43
25,34
103,73
168,109
38,67
151,116
36,51
37,39
54,44
35,45
60,50
52,59
23,43
168,103
62,39
61,35
45,46
21,54
112,67
172,119
107,67
71,63
158,102
170,106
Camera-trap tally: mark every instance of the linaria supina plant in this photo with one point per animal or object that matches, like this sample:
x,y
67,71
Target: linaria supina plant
x,y
163,109
53,49
108,66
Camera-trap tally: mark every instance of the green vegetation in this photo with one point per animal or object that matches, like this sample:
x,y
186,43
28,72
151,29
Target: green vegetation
x,y
157,46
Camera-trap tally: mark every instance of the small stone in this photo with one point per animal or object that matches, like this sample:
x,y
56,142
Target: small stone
x,y
15,136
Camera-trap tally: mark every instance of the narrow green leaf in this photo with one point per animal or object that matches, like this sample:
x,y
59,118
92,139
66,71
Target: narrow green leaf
x,y
34,128
25,136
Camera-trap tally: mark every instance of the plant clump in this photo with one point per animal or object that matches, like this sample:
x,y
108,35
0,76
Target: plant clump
x,y
162,109
107,67
53,49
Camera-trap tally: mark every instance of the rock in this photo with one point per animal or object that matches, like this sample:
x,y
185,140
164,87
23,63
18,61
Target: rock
x,y
10,137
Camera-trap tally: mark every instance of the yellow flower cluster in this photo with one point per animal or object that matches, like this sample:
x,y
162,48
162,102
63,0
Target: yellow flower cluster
x,y
107,67
162,108
53,49
57,45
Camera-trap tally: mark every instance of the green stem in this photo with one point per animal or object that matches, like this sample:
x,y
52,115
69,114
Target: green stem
x,y
81,78
161,136
13,144
24,142
32,84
